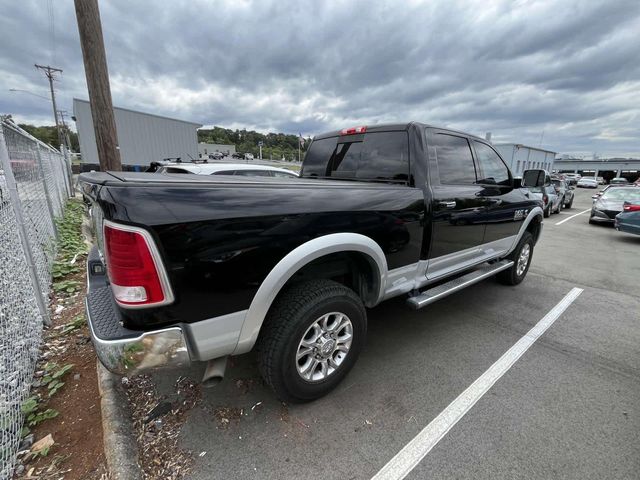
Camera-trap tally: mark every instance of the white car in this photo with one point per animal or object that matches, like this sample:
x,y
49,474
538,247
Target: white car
x,y
588,182
242,169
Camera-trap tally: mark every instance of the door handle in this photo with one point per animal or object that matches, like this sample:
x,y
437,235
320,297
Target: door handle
x,y
447,204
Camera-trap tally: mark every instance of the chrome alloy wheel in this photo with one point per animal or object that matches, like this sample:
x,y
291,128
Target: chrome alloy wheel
x,y
324,346
523,259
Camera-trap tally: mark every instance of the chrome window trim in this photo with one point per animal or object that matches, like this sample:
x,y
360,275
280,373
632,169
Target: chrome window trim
x,y
157,261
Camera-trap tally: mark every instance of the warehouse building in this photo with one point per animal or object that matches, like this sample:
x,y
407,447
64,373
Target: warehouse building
x,y
142,137
521,157
606,168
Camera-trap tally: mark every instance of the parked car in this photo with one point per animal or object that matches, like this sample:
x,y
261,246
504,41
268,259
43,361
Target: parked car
x,y
629,219
600,180
239,169
611,202
198,270
238,155
587,182
564,191
571,178
216,156
548,197
599,194
619,181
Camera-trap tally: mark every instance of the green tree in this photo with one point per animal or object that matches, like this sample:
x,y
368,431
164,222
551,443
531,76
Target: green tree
x,y
49,135
246,141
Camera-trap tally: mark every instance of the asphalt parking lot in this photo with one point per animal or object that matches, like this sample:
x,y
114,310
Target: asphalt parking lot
x,y
569,407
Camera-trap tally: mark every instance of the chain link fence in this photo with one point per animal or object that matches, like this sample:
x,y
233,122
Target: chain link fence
x,y
34,187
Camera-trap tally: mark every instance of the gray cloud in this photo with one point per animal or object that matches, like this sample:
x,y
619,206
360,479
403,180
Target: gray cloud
x,y
570,69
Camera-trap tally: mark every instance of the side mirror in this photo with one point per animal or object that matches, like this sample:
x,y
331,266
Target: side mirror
x,y
534,178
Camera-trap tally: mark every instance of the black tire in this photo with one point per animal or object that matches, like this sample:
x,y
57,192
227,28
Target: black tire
x,y
570,204
547,212
511,276
292,314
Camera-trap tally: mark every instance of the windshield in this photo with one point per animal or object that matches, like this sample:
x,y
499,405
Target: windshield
x,y
630,194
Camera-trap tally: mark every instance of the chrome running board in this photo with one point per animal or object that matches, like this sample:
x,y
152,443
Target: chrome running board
x,y
436,293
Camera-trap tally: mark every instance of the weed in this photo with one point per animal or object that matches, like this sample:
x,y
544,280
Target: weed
x,y
68,286
77,322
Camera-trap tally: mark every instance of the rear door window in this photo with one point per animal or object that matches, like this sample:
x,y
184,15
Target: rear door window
x,y
454,159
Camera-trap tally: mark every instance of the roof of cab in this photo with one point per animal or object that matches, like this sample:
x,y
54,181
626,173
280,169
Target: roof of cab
x,y
390,127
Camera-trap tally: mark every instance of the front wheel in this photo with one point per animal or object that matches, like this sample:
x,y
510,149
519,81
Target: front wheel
x,y
521,257
570,204
311,338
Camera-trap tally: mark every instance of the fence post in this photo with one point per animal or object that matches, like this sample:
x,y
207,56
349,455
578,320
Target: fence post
x,y
69,172
22,230
46,192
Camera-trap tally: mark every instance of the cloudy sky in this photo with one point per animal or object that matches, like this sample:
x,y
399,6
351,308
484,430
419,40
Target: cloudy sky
x,y
562,74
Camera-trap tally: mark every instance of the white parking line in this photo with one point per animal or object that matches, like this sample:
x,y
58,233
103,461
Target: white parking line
x,y
572,216
406,459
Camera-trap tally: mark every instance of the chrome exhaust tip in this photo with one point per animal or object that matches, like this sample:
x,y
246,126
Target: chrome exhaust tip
x,y
214,373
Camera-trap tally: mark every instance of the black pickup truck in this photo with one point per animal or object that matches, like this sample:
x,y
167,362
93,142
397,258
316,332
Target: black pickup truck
x,y
192,269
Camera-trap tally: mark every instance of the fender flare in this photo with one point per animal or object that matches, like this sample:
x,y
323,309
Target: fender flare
x,y
294,261
535,212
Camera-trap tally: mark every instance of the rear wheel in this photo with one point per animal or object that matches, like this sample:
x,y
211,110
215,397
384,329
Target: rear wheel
x,y
521,257
547,211
311,338
570,204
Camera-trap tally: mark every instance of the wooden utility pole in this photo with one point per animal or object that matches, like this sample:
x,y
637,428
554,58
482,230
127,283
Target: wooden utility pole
x,y
95,67
50,72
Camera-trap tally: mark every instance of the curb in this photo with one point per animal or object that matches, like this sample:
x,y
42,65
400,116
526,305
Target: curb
x,y
120,446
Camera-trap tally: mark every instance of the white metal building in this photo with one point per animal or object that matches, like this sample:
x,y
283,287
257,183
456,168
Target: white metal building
x,y
204,149
142,137
520,157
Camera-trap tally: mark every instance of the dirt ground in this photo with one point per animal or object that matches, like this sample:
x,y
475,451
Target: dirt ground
x,y
77,429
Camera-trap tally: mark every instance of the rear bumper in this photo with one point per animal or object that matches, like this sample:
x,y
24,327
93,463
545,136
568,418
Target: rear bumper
x,y
626,227
120,350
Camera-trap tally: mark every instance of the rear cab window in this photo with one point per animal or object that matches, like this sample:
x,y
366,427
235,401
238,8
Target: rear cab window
x,y
372,156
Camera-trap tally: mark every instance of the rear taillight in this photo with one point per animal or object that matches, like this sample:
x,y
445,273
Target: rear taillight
x,y
353,130
631,208
545,199
135,270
